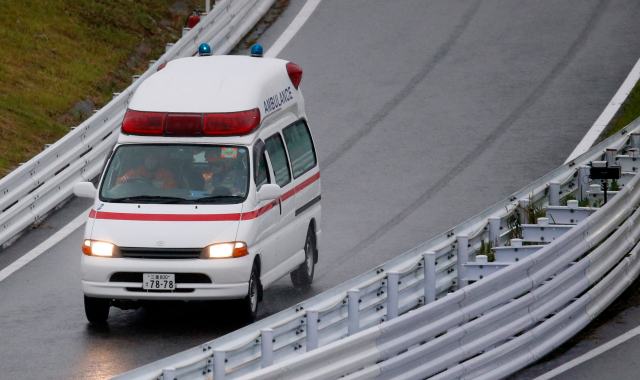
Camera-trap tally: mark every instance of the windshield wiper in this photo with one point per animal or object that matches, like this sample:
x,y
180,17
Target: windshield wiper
x,y
221,198
148,199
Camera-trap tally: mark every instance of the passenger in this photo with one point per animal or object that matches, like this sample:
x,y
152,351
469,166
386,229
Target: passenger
x,y
150,171
215,168
221,176
237,180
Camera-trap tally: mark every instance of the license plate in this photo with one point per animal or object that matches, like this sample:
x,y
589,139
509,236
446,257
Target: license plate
x,y
158,281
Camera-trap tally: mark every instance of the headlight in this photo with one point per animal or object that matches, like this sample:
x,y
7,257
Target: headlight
x,y
98,248
227,250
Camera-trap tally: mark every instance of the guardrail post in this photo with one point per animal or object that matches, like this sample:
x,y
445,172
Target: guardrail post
x,y
393,284
266,347
463,258
523,204
494,231
134,78
312,329
610,155
554,194
168,46
219,364
583,182
634,140
207,6
353,317
152,62
185,31
429,276
169,373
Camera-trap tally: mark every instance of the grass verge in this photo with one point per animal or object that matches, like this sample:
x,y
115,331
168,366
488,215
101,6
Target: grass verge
x,y
63,58
628,112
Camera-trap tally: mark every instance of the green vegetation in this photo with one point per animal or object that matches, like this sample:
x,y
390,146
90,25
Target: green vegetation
x,y
514,226
533,211
486,248
61,58
614,186
569,197
628,112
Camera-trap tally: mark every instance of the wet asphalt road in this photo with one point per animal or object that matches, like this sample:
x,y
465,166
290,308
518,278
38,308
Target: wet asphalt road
x,y
423,112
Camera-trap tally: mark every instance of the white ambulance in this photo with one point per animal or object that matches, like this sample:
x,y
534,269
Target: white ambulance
x,y
211,192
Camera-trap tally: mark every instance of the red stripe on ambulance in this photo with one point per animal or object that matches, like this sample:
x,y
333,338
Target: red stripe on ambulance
x,y
201,217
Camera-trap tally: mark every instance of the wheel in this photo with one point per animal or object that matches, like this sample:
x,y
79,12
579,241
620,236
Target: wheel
x,y
302,277
250,302
96,309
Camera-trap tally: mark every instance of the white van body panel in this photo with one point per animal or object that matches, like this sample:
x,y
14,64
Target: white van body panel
x,y
166,226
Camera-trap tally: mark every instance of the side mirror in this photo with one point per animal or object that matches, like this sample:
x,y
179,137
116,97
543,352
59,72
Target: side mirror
x,y
84,190
269,192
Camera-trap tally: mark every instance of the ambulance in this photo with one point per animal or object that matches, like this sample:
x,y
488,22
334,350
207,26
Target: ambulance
x,y
211,192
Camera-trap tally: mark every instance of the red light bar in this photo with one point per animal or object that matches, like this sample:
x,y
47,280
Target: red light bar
x,y
295,74
143,123
190,124
231,123
183,124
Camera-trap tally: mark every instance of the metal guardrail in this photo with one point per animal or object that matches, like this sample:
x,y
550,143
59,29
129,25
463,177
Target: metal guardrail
x,y
497,326
35,188
393,313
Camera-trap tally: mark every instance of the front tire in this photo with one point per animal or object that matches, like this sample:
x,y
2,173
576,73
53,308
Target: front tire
x,y
302,277
250,302
96,309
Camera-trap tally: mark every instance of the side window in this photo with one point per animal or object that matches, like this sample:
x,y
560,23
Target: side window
x,y
279,161
261,171
300,146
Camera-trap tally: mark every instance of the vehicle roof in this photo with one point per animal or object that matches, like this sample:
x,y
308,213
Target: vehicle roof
x,y
222,83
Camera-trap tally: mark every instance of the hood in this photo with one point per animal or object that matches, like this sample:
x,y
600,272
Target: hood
x,y
165,226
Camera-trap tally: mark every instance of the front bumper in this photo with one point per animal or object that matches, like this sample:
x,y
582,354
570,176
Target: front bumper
x,y
228,278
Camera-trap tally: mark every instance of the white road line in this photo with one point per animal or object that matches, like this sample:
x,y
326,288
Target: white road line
x,y
591,354
45,245
609,112
293,28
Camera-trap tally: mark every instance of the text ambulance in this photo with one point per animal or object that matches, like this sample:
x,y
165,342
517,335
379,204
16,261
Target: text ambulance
x,y
212,191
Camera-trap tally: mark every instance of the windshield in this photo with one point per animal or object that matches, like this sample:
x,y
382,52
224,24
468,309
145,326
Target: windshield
x,y
176,174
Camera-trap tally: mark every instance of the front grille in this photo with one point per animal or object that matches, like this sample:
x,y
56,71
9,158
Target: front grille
x,y
181,278
160,253
179,290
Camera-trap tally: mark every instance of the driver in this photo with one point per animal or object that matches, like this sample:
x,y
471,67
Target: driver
x,y
222,175
215,168
150,170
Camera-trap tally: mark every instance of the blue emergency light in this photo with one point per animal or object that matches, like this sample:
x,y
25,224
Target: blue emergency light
x,y
204,49
256,50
